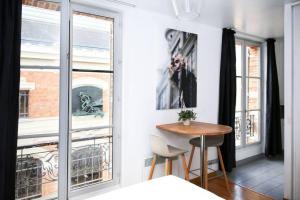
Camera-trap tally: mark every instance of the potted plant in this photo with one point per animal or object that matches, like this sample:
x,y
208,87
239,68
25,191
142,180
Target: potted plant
x,y
185,116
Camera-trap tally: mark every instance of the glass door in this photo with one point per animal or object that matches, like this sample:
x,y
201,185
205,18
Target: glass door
x,y
248,99
92,98
67,137
38,130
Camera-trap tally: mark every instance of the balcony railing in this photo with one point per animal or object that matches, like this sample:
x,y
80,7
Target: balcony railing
x,y
251,127
37,166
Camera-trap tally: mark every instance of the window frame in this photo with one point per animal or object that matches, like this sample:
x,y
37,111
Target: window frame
x,y
41,68
25,94
117,91
66,53
65,87
244,42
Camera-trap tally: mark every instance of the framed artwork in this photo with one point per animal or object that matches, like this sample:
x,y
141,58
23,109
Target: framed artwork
x,y
177,86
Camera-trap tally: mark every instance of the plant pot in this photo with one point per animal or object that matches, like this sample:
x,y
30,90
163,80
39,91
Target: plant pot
x,y
187,122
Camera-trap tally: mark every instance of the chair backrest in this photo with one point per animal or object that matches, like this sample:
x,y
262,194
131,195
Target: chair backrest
x,y
159,145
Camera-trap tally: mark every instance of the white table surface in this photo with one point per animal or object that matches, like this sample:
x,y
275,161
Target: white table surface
x,y
167,187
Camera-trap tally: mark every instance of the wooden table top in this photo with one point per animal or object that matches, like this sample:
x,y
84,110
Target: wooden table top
x,y
196,128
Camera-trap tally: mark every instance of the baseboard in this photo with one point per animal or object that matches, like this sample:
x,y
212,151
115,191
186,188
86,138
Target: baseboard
x,y
197,179
249,159
161,160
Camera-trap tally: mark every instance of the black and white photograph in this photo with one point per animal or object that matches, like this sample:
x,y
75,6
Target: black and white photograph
x,y
177,86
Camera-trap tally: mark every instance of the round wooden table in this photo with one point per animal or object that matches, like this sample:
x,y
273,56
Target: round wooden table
x,y
197,129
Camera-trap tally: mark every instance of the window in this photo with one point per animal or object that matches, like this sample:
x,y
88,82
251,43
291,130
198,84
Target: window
x,y
92,99
89,119
248,99
37,151
23,103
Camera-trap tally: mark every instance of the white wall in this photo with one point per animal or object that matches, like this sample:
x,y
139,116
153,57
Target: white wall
x,y
292,99
296,100
143,53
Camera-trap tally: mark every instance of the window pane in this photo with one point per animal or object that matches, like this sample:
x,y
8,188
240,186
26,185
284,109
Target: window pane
x,y
91,99
253,93
252,127
37,155
23,103
238,128
91,159
239,58
92,42
253,60
43,101
248,92
40,37
37,168
238,106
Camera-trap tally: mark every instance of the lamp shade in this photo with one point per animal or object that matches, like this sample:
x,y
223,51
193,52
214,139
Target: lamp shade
x,y
186,9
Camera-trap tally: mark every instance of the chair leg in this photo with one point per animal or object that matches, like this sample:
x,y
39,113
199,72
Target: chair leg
x,y
205,169
187,176
167,169
152,167
191,158
223,168
170,166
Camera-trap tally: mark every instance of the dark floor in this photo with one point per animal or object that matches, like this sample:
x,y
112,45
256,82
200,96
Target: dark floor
x,y
262,175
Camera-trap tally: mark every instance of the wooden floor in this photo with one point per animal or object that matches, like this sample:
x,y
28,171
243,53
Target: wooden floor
x,y
217,186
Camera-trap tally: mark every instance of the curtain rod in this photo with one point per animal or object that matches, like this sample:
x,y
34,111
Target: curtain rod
x,y
247,34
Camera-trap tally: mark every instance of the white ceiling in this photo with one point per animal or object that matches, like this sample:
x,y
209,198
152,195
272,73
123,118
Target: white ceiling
x,y
263,18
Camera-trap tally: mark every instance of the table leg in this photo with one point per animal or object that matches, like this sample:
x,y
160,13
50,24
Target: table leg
x,y
202,163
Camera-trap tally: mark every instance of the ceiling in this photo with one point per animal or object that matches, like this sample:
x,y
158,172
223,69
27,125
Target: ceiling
x,y
262,18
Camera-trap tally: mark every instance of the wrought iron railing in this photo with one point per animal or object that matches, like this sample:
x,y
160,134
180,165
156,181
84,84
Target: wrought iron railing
x,y
238,128
37,166
250,126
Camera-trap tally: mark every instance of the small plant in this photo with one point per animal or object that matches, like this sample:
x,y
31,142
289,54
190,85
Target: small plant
x,y
186,115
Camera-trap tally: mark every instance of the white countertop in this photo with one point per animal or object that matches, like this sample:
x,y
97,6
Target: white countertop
x,y
167,187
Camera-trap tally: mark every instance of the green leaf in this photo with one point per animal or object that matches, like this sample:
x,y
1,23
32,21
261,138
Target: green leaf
x,y
186,115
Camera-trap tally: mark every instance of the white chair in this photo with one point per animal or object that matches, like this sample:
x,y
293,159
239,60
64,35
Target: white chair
x,y
161,148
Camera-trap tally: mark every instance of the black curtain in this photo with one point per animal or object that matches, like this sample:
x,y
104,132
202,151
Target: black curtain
x,y
273,126
10,40
227,96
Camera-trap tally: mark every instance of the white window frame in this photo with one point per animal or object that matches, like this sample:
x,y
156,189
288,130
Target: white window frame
x,y
244,42
64,179
116,126
65,70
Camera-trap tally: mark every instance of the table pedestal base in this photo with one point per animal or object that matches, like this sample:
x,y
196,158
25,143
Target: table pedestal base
x,y
202,161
